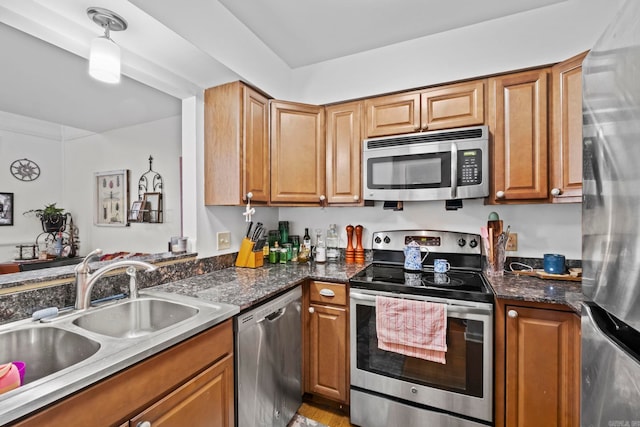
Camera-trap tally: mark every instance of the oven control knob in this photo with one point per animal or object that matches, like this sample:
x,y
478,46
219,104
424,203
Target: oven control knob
x,y
377,239
473,243
461,242
387,239
414,390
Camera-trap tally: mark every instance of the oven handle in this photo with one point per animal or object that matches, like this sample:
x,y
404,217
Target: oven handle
x,y
468,307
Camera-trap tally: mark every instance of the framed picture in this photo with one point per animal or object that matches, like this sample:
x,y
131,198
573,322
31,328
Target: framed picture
x,y
153,207
6,208
111,198
136,212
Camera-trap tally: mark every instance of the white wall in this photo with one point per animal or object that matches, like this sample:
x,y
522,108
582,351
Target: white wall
x,y
38,141
540,228
537,37
125,148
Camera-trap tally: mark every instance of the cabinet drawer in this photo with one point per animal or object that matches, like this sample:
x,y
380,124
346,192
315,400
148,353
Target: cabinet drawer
x,y
328,293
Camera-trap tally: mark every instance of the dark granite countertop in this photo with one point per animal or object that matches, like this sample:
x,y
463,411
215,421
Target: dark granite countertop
x,y
67,272
246,287
533,289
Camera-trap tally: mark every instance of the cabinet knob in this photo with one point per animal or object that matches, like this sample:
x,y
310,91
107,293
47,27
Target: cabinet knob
x,y
322,197
312,310
555,192
500,194
356,197
143,424
513,314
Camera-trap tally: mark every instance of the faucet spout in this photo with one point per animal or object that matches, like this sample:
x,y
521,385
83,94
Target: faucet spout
x,y
85,281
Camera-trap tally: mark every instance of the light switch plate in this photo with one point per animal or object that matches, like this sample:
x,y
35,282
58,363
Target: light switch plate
x,y
224,240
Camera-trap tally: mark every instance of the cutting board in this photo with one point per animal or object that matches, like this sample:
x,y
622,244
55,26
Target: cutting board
x,y
575,277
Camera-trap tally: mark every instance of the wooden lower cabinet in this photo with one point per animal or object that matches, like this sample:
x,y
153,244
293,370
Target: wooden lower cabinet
x,y
189,384
537,365
200,402
326,338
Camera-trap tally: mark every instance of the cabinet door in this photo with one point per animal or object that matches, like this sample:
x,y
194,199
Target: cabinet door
x,y
566,131
236,147
328,352
298,167
453,106
542,382
344,145
392,114
255,148
518,122
206,400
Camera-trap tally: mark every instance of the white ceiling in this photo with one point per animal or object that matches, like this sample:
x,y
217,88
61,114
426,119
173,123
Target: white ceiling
x,y
305,32
173,50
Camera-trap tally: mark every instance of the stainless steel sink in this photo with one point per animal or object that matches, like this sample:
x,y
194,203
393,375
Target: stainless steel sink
x,y
97,343
45,350
135,318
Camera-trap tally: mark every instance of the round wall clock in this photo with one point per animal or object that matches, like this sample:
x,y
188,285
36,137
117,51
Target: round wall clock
x,y
25,170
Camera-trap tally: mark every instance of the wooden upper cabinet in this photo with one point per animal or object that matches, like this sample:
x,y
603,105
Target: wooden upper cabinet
x,y
565,156
443,107
236,145
344,147
392,114
453,106
298,168
518,123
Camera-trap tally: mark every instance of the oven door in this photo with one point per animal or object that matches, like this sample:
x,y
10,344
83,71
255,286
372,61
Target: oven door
x,y
462,386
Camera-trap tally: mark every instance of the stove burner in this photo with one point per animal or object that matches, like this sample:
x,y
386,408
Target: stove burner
x,y
441,279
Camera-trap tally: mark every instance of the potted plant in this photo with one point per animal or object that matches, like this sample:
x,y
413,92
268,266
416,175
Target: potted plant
x,y
53,218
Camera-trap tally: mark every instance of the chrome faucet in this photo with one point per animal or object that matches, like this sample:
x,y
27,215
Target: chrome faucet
x,y
85,280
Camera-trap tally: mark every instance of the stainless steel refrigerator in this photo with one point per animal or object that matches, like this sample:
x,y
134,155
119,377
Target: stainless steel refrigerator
x,y
611,225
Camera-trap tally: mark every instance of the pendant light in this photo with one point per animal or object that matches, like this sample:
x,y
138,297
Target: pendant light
x,y
104,57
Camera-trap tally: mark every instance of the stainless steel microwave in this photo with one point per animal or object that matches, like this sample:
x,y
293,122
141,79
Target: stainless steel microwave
x,y
437,165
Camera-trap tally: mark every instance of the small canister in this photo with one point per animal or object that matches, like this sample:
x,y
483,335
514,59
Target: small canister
x,y
554,264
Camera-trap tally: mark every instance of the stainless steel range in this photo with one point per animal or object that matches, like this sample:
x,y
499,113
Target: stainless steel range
x,y
390,388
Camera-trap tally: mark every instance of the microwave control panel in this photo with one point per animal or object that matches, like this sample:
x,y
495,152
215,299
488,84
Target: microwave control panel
x,y
469,167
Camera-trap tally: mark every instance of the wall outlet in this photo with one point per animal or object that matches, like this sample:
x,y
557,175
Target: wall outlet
x,y
224,240
512,242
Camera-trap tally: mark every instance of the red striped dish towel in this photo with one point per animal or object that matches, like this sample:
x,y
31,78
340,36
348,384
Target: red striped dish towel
x,y
413,328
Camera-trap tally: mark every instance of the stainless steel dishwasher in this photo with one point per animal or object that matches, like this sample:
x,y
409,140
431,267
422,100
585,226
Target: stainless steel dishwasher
x,y
268,362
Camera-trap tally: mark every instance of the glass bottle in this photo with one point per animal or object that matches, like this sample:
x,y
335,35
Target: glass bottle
x,y
306,240
332,243
284,231
274,253
321,250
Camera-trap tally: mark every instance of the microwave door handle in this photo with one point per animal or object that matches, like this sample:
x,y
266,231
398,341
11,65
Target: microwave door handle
x,y
454,170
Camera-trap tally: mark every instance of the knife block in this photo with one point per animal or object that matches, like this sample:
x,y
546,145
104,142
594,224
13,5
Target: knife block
x,y
247,257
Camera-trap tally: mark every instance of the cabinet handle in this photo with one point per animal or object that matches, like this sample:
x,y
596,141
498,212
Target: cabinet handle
x,y
312,310
327,293
513,314
356,197
555,192
143,424
500,194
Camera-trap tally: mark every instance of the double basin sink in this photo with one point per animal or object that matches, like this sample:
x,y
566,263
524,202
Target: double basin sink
x,y
74,350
